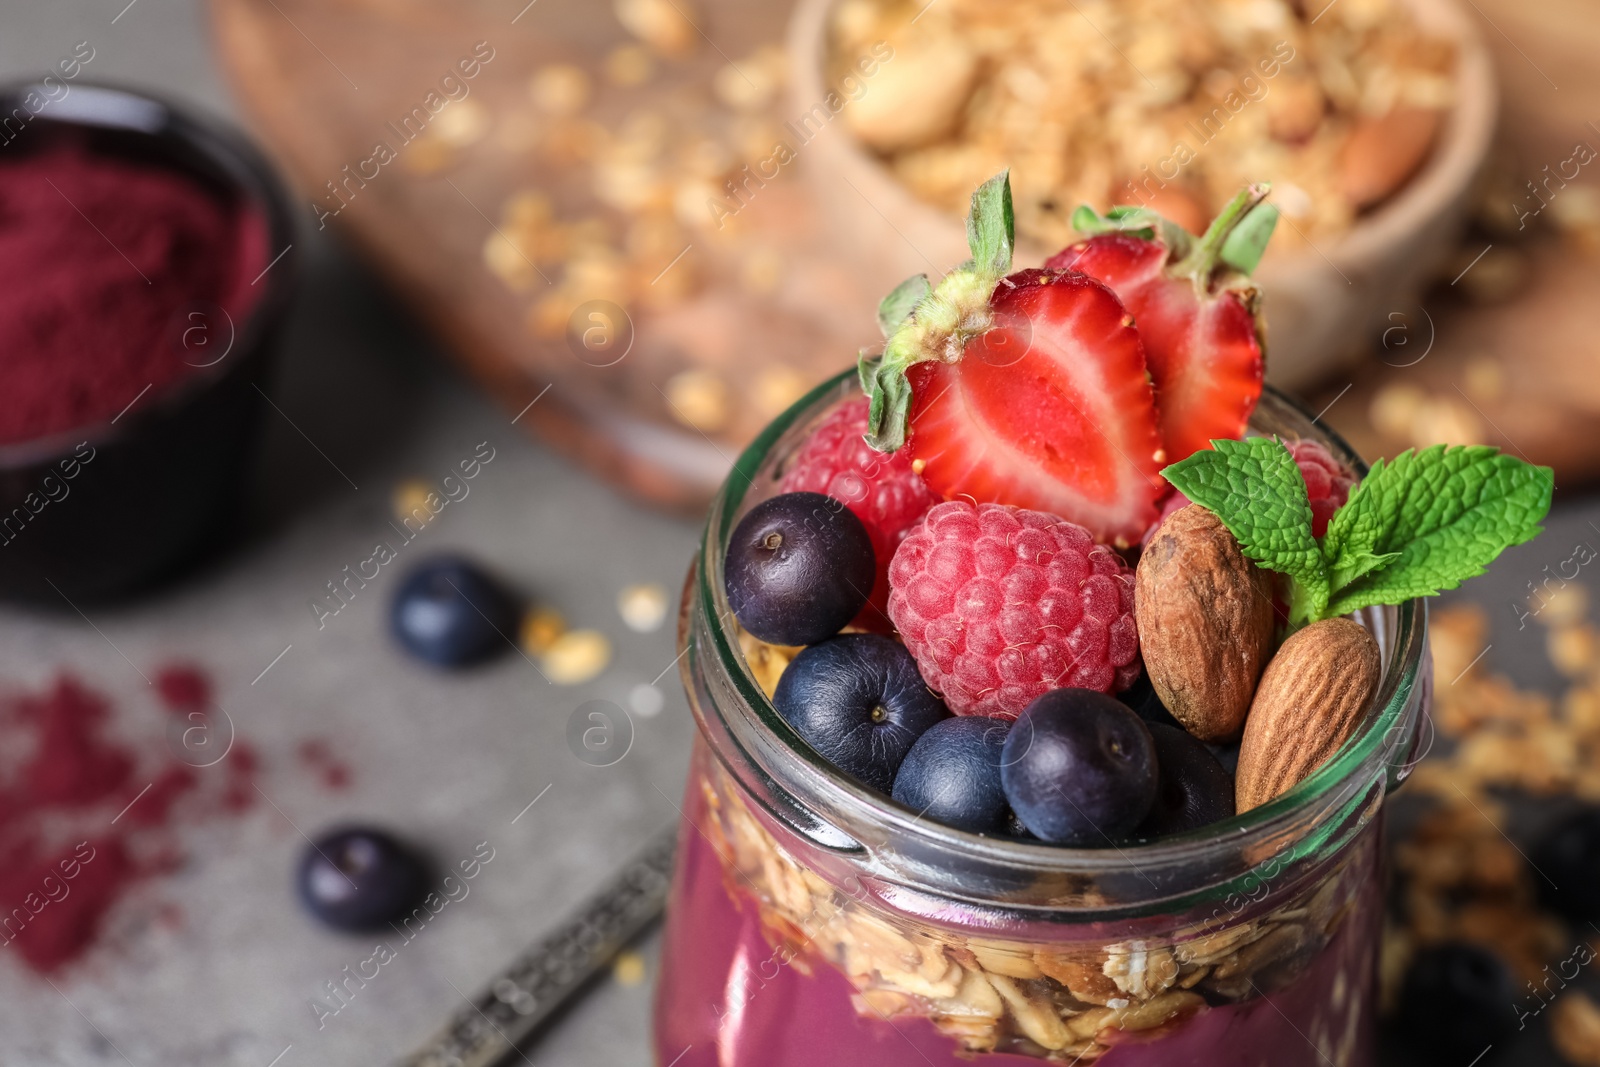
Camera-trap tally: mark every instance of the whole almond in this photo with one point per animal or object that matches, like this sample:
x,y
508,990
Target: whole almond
x,y
915,96
1204,613
1309,702
1383,151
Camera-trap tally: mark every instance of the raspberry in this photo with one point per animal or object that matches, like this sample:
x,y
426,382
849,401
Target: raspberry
x,y
882,490
999,605
1328,485
1328,482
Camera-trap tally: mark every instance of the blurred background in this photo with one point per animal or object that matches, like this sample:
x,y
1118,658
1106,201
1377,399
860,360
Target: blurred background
x,y
586,251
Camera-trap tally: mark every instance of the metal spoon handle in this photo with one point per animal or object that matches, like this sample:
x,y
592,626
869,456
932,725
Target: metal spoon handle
x,y
552,970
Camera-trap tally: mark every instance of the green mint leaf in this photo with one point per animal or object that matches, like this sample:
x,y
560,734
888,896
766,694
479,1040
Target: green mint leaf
x,y
1436,518
1244,246
992,226
1350,545
898,305
1254,487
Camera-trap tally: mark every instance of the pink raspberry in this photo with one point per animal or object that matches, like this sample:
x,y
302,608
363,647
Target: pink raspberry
x,y
882,490
1328,484
999,605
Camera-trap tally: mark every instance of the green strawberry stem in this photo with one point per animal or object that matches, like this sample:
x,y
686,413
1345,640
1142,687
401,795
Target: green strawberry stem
x,y
1236,238
936,324
1136,221
1206,255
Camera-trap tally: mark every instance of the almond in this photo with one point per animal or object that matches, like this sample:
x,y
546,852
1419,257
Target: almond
x,y
1204,613
1311,699
916,96
1383,151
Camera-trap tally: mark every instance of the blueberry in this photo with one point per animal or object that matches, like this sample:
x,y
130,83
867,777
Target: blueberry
x,y
450,613
859,701
1568,858
798,568
360,879
1457,1000
1193,789
1079,767
952,774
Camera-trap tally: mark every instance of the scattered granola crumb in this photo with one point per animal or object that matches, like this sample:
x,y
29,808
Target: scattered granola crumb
x,y
643,607
1575,1028
629,969
576,657
410,501
560,89
700,399
540,629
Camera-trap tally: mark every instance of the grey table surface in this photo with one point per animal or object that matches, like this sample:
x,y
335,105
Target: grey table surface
x,y
450,760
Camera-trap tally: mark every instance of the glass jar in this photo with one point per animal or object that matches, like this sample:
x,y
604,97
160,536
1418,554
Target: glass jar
x,y
814,921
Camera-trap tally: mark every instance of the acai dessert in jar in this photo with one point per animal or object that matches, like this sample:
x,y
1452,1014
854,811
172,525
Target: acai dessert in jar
x,y
1051,677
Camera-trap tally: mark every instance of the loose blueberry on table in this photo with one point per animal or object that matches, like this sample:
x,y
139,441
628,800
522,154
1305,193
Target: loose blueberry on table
x,y
451,613
359,879
1456,1000
1568,856
1021,431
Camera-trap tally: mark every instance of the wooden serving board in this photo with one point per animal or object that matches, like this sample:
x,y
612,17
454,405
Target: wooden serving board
x,y
748,313
756,311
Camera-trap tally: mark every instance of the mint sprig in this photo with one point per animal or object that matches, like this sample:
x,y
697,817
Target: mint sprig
x,y
1254,487
1438,516
1416,526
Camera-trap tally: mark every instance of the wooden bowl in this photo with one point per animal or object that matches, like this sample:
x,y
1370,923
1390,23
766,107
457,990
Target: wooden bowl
x,y
1323,305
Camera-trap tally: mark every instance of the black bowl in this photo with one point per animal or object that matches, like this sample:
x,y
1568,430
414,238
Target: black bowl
x,y
108,509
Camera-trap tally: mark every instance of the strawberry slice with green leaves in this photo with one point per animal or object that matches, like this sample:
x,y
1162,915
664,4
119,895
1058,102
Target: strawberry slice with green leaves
x,y
1196,309
1027,388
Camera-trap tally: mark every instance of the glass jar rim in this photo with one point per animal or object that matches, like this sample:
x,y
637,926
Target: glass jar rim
x,y
1293,826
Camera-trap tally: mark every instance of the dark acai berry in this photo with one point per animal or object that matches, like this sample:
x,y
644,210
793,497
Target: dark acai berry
x,y
449,613
1141,697
1456,1001
859,701
1568,858
1193,788
360,879
1079,768
1015,828
798,568
952,774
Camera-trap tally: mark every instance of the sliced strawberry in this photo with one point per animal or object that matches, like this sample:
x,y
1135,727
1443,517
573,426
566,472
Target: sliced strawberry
x,y
1068,426
1028,389
1195,310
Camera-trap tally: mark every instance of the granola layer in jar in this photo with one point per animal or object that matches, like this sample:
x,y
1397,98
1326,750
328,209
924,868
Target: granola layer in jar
x,y
815,921
1262,964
